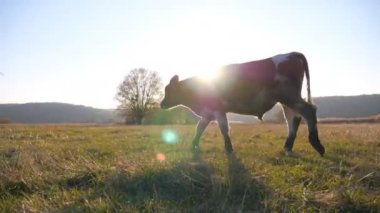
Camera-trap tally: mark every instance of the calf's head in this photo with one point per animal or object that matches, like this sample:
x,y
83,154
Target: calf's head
x,y
171,97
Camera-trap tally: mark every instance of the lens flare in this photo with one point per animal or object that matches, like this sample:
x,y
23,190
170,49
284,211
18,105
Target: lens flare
x,y
169,136
160,157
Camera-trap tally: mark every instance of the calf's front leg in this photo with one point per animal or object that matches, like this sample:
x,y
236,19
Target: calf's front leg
x,y
201,126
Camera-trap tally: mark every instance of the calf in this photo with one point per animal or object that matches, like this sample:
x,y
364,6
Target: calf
x,y
250,88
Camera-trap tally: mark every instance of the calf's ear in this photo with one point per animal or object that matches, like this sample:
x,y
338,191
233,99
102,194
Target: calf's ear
x,y
174,79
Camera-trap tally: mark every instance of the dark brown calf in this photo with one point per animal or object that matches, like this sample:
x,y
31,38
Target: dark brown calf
x,y
250,88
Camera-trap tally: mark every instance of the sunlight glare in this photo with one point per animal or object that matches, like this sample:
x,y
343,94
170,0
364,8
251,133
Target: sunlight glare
x,y
160,157
194,48
169,136
208,76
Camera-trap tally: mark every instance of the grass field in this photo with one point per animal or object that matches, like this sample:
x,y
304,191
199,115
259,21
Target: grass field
x,y
70,168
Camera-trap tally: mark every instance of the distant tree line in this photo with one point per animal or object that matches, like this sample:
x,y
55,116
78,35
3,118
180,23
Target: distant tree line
x,y
54,113
5,121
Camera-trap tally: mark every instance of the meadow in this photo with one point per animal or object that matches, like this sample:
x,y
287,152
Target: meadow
x,y
90,168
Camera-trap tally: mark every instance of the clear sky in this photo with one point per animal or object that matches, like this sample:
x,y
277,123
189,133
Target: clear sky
x,y
78,51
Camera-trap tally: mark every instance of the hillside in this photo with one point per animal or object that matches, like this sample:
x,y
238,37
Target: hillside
x,y
357,107
348,106
328,107
54,113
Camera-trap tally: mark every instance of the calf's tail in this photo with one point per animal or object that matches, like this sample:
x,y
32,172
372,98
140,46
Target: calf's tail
x,y
306,68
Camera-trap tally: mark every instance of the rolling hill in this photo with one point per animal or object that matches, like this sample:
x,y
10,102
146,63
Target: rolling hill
x,y
348,106
54,113
328,107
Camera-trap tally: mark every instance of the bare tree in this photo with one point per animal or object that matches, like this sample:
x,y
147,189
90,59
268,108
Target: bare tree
x,y
138,94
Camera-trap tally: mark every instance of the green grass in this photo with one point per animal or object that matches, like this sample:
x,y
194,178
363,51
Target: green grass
x,y
112,168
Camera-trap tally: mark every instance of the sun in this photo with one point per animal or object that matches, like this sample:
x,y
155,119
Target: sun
x,y
208,76
196,48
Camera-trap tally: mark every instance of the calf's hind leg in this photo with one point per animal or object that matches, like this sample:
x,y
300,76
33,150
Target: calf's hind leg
x,y
308,112
224,128
293,121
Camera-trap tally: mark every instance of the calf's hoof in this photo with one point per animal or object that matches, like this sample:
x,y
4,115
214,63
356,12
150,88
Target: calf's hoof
x,y
320,149
288,149
288,152
314,140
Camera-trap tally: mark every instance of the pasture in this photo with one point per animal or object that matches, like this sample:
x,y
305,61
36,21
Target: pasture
x,y
70,168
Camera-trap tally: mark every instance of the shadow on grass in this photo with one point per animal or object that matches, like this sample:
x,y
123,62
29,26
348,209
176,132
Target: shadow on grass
x,y
245,193
83,180
189,185
14,188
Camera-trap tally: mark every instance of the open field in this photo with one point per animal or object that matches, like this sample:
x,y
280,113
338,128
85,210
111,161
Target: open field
x,y
130,169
